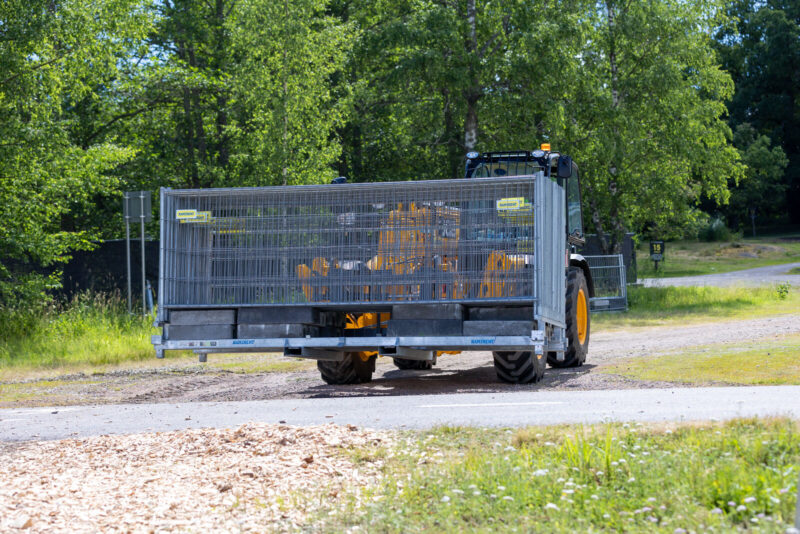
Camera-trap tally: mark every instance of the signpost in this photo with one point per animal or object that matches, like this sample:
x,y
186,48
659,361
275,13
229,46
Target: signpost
x,y
657,252
136,206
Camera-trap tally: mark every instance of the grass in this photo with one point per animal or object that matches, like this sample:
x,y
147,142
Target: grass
x,y
772,362
794,270
94,334
691,258
739,475
90,330
656,306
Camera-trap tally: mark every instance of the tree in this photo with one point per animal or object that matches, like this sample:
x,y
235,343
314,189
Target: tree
x,y
53,55
762,53
762,193
288,96
647,119
433,80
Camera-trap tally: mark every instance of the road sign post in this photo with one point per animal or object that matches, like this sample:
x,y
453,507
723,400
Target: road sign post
x,y
136,205
657,252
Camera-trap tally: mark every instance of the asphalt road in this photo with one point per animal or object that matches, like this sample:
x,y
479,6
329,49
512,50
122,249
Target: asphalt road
x,y
423,411
760,276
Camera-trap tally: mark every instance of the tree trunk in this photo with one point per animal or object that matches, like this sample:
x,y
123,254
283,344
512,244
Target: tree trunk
x,y
454,156
473,94
617,230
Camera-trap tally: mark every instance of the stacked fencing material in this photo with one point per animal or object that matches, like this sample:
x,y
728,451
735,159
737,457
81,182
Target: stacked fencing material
x,y
608,276
353,244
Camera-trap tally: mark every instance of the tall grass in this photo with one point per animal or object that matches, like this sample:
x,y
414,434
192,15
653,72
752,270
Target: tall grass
x,y
91,329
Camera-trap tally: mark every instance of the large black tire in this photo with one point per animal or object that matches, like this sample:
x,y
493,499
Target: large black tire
x,y
575,354
519,367
351,370
412,365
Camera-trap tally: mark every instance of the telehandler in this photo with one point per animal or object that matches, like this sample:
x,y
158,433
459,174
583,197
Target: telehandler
x,y
346,273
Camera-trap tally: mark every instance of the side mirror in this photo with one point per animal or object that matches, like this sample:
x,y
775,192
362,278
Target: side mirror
x,y
564,166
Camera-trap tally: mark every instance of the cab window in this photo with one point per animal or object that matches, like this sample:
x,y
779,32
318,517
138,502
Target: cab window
x,y
498,169
574,220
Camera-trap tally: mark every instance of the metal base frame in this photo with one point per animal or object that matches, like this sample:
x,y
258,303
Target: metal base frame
x,y
329,347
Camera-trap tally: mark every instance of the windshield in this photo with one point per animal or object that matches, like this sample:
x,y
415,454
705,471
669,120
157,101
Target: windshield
x,y
494,169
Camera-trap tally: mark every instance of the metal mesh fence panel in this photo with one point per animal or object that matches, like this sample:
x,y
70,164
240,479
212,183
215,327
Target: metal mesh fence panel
x,y
608,275
351,244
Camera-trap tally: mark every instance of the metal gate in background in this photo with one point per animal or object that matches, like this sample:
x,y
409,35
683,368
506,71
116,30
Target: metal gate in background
x,y
610,289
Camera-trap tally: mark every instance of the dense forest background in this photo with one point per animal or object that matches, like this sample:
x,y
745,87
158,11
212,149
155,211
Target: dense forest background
x,y
678,113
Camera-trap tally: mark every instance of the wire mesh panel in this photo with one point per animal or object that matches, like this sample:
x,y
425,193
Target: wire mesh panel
x,y
445,240
551,246
608,275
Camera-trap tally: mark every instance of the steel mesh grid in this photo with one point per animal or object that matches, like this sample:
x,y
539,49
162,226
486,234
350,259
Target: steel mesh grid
x,y
447,240
608,276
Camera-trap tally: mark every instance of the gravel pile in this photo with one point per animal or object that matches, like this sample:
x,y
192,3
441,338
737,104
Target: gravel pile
x,y
252,478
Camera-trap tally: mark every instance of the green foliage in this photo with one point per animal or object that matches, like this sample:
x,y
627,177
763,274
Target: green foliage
x,y
647,118
619,477
715,230
762,53
52,56
91,329
762,193
782,290
288,104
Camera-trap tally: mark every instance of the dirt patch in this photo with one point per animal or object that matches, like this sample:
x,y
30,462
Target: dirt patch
x,y
205,480
739,250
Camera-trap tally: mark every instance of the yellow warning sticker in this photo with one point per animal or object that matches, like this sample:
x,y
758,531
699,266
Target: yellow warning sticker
x,y
194,216
515,203
185,214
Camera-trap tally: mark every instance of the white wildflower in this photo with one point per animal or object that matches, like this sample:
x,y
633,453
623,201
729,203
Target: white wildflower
x,y
716,511
749,499
741,508
540,472
508,498
445,499
551,506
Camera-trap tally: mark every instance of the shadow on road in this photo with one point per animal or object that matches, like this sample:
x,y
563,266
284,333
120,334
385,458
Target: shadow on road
x,y
481,379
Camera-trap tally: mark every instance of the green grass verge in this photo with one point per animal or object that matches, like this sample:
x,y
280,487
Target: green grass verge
x,y
740,475
794,270
654,306
772,362
691,258
91,329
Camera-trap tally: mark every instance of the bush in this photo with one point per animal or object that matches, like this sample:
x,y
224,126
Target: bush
x,y
716,230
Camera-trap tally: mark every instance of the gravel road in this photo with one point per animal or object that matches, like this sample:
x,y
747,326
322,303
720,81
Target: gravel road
x,y
473,372
760,276
470,372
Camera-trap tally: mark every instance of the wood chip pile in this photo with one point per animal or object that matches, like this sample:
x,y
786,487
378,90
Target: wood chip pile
x,y
257,477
